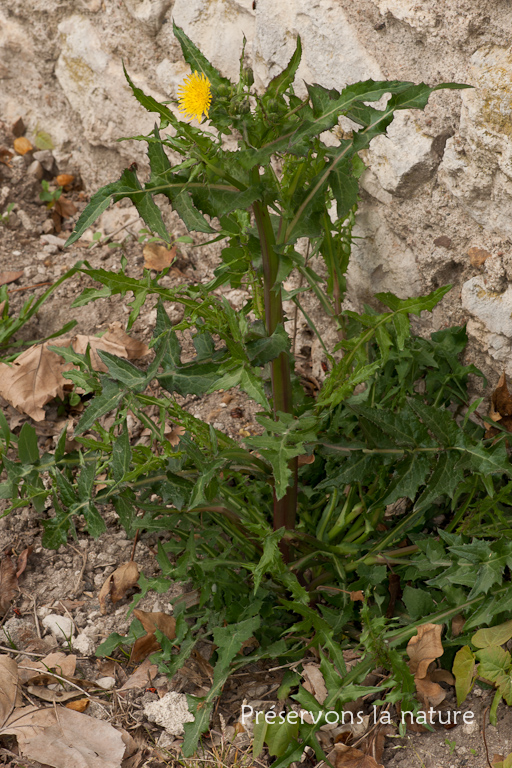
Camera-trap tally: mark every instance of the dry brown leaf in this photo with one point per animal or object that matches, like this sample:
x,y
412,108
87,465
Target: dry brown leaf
x,y
65,207
302,460
151,621
5,156
442,676
46,694
429,692
22,560
142,676
477,256
10,277
8,686
158,257
8,583
174,435
357,595
35,377
64,179
458,622
424,648
78,706
143,647
314,682
22,145
118,583
348,757
62,664
60,737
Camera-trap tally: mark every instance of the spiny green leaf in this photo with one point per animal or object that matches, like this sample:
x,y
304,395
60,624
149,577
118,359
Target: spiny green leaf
x,y
196,60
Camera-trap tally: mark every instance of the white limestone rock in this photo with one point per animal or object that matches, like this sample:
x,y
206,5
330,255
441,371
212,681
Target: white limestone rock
x,y
95,86
402,160
170,712
380,260
492,309
477,164
150,13
61,627
416,14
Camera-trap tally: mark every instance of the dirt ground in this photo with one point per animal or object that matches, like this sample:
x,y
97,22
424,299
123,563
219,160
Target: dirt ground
x,y
66,583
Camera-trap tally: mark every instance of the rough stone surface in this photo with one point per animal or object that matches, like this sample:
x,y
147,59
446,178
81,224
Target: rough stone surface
x,y
442,173
171,712
60,626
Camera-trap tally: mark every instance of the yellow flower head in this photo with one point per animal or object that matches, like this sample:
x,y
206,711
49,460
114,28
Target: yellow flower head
x,y
195,96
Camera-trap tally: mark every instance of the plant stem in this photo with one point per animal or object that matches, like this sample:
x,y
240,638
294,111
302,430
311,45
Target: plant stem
x,y
285,508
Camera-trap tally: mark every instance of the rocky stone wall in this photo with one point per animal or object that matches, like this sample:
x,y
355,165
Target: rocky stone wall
x,y
437,196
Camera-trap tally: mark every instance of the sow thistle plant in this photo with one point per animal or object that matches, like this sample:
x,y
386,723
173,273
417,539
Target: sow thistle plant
x,y
274,546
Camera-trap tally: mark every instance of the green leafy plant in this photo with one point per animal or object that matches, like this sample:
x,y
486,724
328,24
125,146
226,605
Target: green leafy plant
x,y
336,494
10,325
490,662
48,195
4,217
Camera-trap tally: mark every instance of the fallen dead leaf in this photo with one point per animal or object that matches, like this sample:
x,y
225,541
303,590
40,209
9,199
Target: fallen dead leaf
x,y
35,377
314,682
8,583
152,621
477,256
429,692
61,663
60,737
348,757
158,257
303,460
458,622
356,596
65,207
501,407
10,277
142,676
423,649
47,694
22,560
5,156
118,583
8,686
174,435
64,179
22,145
78,706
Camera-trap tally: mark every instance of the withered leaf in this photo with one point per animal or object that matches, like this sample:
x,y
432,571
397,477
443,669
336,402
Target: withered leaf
x,y
10,277
8,686
22,560
22,145
348,757
118,583
424,648
158,257
65,207
477,256
8,583
78,706
314,682
35,377
141,677
60,737
429,692
151,621
357,596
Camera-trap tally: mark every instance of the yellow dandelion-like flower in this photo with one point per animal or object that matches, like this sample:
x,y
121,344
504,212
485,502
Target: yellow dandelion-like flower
x,y
195,96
